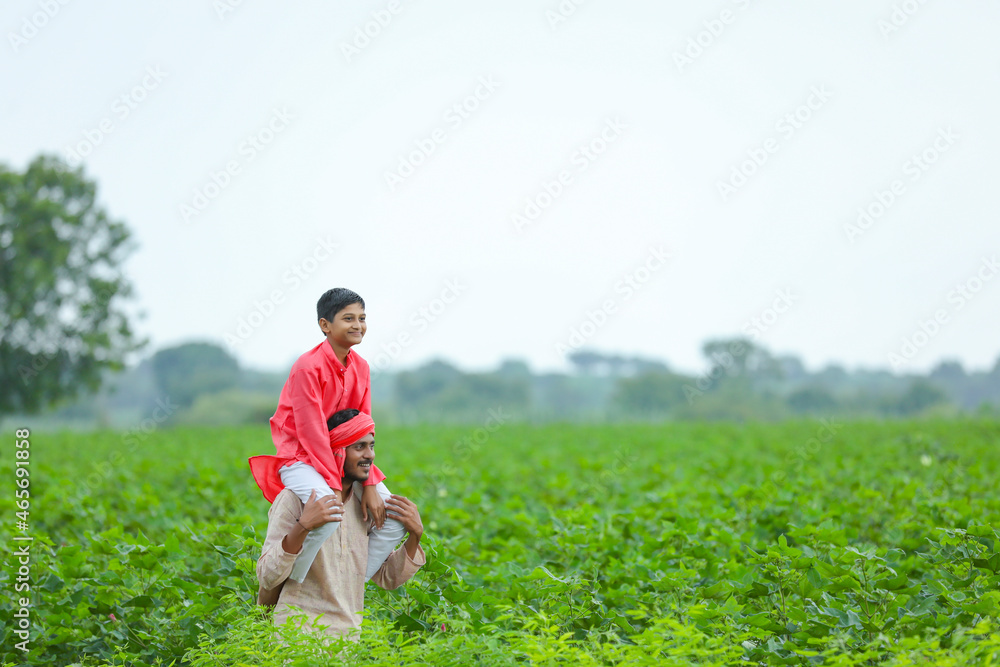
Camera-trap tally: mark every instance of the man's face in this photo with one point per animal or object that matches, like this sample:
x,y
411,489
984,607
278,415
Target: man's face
x,y
347,328
358,458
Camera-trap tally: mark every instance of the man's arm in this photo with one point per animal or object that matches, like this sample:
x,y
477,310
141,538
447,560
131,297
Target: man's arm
x,y
275,564
404,562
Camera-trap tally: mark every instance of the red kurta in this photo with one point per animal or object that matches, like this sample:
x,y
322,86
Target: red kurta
x,y
319,385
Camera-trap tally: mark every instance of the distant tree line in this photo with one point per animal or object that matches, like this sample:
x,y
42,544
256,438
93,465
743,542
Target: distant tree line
x,y
204,384
744,382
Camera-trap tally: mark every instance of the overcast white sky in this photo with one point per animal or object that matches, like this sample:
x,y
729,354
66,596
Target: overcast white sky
x,y
331,121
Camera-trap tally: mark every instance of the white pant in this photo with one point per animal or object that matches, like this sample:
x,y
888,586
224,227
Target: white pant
x,y
301,478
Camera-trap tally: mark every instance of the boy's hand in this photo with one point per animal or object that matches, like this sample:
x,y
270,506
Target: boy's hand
x,y
372,506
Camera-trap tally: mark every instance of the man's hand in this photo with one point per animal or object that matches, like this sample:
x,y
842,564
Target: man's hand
x,y
319,511
315,513
372,505
404,511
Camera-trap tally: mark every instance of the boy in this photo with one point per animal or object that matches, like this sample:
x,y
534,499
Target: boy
x,y
326,379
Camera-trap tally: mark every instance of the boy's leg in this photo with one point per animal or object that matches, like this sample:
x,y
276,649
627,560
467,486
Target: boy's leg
x,y
382,542
302,479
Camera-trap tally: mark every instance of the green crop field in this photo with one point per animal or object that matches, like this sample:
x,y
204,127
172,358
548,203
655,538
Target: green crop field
x,y
797,543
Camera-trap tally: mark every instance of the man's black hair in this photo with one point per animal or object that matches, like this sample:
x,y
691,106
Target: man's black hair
x,y
338,418
335,300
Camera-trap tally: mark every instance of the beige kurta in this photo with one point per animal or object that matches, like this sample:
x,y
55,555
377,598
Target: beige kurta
x,y
334,589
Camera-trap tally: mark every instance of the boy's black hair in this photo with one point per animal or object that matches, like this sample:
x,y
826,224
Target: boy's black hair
x,y
338,418
335,300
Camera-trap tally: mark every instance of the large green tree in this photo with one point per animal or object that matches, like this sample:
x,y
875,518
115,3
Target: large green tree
x,y
62,287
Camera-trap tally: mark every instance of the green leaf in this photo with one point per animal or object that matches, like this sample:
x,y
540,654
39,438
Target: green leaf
x,y
542,572
52,583
143,601
407,622
718,590
815,578
802,563
762,621
893,583
921,606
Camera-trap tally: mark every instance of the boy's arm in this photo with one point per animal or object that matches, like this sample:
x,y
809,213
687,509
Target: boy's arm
x,y
372,504
310,426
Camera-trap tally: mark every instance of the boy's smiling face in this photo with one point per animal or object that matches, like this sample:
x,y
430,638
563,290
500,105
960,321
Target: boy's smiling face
x,y
347,328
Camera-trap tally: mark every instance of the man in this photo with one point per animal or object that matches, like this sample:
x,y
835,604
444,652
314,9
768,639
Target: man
x,y
333,590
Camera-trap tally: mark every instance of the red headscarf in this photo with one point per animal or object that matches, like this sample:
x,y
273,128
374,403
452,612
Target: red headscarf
x,y
265,468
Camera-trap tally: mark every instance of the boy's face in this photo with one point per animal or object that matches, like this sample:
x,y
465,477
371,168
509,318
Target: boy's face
x,y
347,328
358,458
